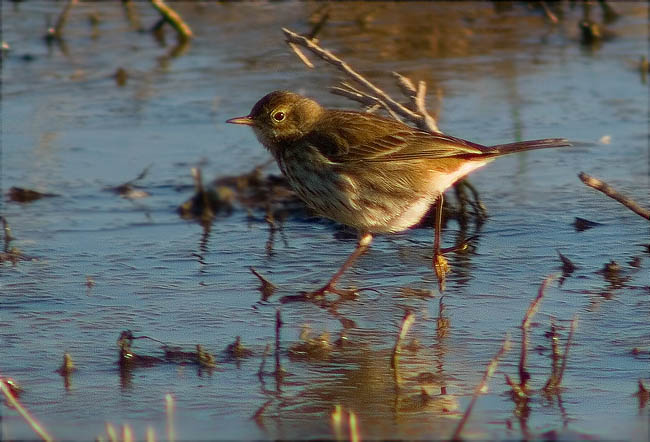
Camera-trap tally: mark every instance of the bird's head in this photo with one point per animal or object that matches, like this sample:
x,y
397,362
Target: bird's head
x,y
281,117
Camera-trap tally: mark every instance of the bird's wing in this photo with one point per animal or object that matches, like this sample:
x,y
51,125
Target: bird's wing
x,y
362,137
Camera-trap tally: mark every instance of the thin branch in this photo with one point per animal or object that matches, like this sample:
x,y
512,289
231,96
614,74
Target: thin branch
x,y
279,372
390,104
407,322
301,55
169,411
257,417
405,84
610,192
492,366
574,323
356,95
355,434
131,13
318,26
549,14
172,17
421,107
11,400
525,325
60,22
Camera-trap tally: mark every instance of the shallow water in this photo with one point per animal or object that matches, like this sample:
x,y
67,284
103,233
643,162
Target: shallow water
x,y
69,129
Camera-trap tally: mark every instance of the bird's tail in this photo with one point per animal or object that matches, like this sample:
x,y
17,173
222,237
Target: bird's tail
x,y
505,149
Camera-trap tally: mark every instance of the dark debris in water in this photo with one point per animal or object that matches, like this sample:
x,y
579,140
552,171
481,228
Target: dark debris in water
x,y
641,351
129,189
251,191
311,348
582,224
66,369
120,76
10,254
564,435
236,350
128,359
643,395
206,203
175,354
22,195
611,270
567,265
267,288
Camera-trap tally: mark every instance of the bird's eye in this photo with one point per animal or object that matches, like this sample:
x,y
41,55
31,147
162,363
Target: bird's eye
x,y
278,116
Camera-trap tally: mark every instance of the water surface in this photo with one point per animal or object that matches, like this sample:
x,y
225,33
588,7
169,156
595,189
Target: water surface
x,y
69,129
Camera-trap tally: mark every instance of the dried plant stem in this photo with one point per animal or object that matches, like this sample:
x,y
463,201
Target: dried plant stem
x,y
260,411
421,107
407,322
127,433
354,427
169,408
60,22
337,422
420,117
492,366
354,94
131,14
111,432
556,379
612,193
279,372
172,17
151,434
569,340
7,237
549,14
301,55
31,421
525,325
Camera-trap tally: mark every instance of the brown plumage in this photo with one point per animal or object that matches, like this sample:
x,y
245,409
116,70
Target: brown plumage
x,y
375,174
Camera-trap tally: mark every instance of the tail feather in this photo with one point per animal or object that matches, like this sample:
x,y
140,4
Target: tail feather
x,y
505,149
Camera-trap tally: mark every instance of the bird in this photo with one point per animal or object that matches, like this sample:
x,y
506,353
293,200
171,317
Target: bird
x,y
368,172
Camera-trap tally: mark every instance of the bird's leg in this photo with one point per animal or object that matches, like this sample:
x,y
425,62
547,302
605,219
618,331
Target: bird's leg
x,y
439,262
362,245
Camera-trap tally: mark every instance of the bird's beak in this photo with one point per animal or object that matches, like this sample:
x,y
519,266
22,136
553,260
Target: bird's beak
x,y
247,120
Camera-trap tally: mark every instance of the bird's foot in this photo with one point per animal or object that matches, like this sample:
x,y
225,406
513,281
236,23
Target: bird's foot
x,y
441,267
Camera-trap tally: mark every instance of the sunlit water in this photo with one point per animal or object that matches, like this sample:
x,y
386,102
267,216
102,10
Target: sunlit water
x,y
67,128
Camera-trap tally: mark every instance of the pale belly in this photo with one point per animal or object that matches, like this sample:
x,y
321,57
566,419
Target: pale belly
x,y
340,197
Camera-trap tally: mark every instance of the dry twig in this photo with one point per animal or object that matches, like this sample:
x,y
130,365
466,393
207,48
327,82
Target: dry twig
x,y
420,117
131,14
11,400
172,17
492,366
555,380
549,14
407,322
525,325
612,193
169,409
57,31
